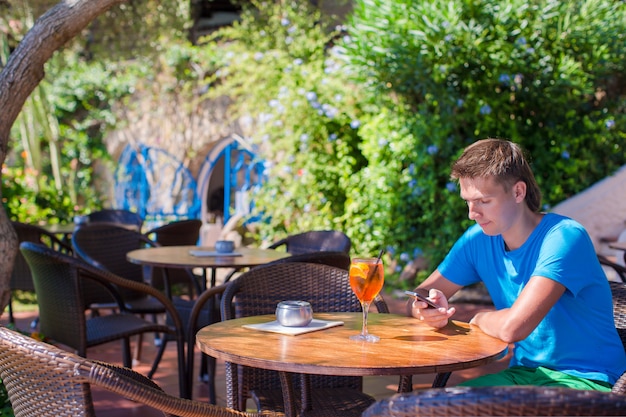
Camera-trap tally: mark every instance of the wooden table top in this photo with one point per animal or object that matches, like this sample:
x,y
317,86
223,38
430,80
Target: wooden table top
x,y
60,229
407,346
180,257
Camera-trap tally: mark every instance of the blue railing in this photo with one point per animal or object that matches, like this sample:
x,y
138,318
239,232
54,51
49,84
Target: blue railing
x,y
156,185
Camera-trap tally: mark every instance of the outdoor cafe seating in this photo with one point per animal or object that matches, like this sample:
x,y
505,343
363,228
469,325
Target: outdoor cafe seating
x,y
257,292
105,245
199,315
42,379
60,281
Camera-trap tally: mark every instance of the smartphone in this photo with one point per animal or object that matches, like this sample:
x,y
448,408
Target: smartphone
x,y
422,298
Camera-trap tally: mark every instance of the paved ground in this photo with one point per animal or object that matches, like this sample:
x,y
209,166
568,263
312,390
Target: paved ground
x,y
108,405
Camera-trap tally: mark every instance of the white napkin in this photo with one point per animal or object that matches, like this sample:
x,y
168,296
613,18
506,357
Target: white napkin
x,y
275,327
195,252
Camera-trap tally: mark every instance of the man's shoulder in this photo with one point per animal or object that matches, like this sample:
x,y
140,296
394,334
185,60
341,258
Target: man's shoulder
x,y
555,223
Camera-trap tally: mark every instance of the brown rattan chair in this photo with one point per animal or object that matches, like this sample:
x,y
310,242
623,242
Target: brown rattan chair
x,y
180,232
125,218
314,241
257,292
43,380
59,284
618,291
332,258
500,401
21,278
105,245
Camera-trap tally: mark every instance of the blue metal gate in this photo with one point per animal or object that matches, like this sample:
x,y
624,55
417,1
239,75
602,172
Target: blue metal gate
x,y
156,185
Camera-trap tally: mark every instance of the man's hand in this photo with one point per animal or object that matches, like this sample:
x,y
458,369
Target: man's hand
x,y
436,318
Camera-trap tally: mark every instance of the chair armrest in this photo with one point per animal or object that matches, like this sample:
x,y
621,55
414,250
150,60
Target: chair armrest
x,y
198,306
108,278
619,269
277,244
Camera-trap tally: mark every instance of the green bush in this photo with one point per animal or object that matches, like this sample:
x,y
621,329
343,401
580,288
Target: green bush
x,y
279,65
361,125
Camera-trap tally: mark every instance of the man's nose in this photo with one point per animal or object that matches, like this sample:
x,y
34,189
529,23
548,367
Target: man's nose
x,y
472,212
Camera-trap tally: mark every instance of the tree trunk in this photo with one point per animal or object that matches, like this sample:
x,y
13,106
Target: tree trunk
x,y
23,72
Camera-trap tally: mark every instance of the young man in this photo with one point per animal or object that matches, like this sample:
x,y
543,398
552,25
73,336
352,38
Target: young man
x,y
552,298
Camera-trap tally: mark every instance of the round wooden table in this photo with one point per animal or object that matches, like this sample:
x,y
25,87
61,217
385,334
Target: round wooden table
x,y
406,347
181,257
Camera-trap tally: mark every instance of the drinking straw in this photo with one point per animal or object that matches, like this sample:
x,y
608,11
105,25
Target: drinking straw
x,y
373,271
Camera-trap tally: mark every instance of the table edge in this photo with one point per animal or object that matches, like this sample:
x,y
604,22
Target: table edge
x,y
342,371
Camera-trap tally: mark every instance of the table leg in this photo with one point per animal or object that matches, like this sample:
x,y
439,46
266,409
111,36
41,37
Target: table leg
x,y
286,381
213,277
166,283
406,383
441,379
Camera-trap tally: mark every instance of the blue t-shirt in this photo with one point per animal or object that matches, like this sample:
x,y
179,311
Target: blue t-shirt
x,y
578,334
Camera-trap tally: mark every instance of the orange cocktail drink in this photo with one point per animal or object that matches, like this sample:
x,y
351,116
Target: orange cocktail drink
x,y
365,282
367,277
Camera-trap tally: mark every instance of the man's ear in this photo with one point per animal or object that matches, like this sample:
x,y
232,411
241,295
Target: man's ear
x,y
519,191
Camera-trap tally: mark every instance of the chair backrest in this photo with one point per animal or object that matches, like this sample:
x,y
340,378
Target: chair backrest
x,y
337,259
120,216
331,258
105,245
180,232
315,241
260,289
500,401
21,278
43,380
60,298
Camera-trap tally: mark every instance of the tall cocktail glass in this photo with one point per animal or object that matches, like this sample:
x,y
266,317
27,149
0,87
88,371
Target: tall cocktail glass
x,y
366,280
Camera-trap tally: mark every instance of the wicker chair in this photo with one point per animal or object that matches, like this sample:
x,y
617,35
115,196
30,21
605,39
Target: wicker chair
x,y
105,245
618,291
257,292
500,401
21,278
43,380
331,258
315,241
59,282
181,232
121,217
